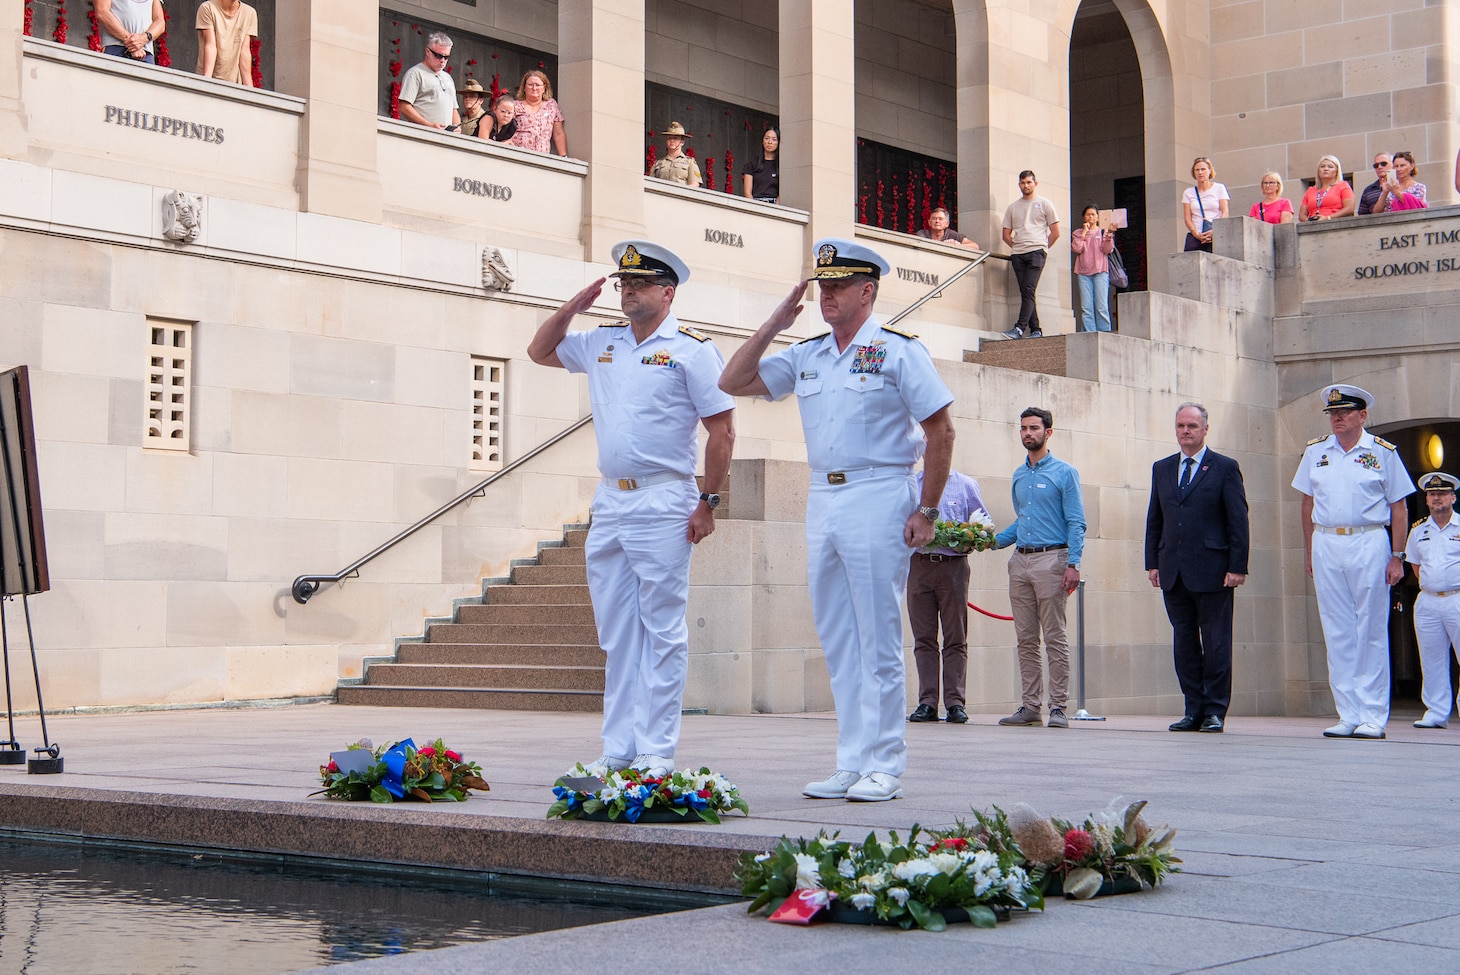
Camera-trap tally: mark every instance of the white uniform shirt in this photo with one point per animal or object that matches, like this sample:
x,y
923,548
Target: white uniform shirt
x,y
647,398
1352,488
861,407
1435,552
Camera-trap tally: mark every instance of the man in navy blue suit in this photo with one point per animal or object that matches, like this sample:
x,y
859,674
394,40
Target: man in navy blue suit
x,y
1196,554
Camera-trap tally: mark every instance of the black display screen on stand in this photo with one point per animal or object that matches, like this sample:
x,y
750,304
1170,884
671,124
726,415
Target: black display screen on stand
x,y
22,536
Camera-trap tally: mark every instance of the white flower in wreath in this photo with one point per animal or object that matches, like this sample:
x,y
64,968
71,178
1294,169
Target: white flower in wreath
x,y
913,869
609,795
808,875
863,901
873,881
984,860
948,863
899,894
847,869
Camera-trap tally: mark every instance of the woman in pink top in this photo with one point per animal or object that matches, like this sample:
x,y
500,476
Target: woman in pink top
x,y
1273,207
1401,191
1092,272
1329,197
539,123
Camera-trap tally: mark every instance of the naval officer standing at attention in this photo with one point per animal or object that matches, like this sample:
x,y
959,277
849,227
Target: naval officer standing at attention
x,y
652,382
1434,551
863,390
1354,486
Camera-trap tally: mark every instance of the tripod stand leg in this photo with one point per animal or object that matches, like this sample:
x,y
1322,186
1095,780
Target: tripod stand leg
x,y
11,752
52,762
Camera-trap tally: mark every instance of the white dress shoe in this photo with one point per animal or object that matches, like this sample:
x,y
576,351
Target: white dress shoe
x,y
604,764
656,766
1430,721
1370,731
1341,730
834,786
875,787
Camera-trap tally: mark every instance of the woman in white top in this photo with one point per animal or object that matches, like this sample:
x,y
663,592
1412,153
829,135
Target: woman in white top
x,y
1201,204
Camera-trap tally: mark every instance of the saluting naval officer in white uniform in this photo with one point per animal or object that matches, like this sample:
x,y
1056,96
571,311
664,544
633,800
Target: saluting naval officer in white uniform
x,y
652,382
1354,486
1434,551
863,391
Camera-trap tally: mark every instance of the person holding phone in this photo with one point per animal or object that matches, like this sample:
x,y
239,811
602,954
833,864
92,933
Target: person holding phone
x,y
1330,196
1201,204
1401,191
1091,245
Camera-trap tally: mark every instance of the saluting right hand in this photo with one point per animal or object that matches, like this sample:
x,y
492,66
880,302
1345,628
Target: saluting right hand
x,y
785,314
584,299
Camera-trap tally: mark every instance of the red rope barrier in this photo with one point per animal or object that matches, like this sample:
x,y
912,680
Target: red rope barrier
x,y
996,616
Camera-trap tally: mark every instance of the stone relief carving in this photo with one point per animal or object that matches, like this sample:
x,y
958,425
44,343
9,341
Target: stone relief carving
x,y
496,272
182,216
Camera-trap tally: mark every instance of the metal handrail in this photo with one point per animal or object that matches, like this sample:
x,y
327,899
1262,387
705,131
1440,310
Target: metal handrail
x,y
938,288
307,585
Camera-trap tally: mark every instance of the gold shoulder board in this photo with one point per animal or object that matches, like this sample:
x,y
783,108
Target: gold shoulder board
x,y
1384,443
614,324
813,338
1315,440
1418,523
697,336
898,331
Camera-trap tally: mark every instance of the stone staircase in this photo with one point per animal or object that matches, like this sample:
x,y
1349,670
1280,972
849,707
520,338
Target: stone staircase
x,y
529,644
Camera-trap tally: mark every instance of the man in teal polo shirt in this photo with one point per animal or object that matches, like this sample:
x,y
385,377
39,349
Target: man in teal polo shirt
x,y
1048,532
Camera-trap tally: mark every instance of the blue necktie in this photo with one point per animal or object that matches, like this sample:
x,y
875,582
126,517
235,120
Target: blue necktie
x,y
1186,473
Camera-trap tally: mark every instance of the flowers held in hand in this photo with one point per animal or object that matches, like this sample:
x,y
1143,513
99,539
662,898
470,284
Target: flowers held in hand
x,y
975,535
401,771
908,883
629,793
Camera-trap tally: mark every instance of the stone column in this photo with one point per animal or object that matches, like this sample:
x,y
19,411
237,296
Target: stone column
x,y
13,140
600,88
328,54
818,115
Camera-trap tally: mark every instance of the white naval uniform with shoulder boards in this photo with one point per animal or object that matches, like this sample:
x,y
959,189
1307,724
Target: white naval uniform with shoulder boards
x,y
1351,492
1435,554
860,410
648,399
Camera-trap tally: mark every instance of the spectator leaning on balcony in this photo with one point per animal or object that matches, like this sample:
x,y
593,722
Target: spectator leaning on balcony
x,y
472,110
128,27
539,123
676,166
938,229
1330,197
504,118
427,93
1370,196
1401,190
224,29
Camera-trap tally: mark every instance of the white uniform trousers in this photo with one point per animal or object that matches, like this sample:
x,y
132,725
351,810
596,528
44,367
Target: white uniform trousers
x,y
857,565
638,554
1353,603
1437,627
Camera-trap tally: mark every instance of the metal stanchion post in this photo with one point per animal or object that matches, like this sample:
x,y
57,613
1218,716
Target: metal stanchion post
x,y
1081,714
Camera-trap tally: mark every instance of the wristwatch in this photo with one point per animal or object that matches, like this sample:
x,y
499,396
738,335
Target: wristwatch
x,y
149,36
713,500
1397,555
928,512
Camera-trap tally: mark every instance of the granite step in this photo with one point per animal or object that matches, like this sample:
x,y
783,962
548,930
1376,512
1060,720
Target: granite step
x,y
490,676
489,654
575,537
541,614
573,634
485,698
566,595
563,555
551,575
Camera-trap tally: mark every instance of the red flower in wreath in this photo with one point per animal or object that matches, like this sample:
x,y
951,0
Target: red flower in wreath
x,y
1078,845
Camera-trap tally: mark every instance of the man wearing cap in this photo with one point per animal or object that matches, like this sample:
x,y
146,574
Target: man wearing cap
x,y
1434,551
652,382
676,166
1354,486
473,111
864,390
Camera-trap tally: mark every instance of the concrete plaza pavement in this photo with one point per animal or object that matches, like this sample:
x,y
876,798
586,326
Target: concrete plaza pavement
x,y
1302,854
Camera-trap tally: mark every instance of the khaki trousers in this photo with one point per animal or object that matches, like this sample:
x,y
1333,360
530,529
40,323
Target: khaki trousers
x,y
1037,595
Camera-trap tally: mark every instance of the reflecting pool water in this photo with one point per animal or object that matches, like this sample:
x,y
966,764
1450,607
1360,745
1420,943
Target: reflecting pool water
x,y
66,909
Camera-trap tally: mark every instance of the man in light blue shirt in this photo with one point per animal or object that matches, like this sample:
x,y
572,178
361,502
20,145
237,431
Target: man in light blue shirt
x,y
1048,532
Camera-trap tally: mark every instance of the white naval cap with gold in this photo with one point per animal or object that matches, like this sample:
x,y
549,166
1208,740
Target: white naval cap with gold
x,y
638,258
839,258
1344,397
1439,481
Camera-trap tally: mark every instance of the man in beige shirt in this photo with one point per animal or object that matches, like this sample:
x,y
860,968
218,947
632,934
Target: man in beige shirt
x,y
224,30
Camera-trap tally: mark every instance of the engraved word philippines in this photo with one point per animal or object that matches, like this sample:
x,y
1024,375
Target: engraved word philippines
x,y
163,125
1401,266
